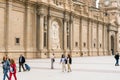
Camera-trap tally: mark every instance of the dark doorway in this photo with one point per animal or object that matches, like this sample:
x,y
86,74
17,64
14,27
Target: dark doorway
x,y
112,45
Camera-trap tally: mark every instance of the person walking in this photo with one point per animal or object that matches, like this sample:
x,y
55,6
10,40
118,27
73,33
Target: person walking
x,y
63,60
69,62
12,69
52,61
21,62
6,67
117,59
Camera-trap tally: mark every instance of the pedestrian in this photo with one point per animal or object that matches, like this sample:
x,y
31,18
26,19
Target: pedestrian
x,y
6,67
117,59
12,69
52,61
21,62
63,61
7,57
69,62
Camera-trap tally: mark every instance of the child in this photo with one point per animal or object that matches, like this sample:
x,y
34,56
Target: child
x,y
12,69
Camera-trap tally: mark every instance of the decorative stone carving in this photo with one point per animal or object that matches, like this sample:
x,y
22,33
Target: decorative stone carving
x,y
55,36
40,11
21,0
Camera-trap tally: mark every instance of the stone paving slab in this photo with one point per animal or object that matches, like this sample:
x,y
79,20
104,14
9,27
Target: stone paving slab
x,y
83,68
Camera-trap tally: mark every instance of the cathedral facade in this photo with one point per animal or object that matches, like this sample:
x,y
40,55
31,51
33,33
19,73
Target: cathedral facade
x,y
38,28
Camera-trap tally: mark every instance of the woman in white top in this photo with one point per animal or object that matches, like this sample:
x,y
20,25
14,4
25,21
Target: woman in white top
x,y
63,61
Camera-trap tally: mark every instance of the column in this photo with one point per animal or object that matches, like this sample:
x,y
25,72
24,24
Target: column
x,y
108,40
103,39
65,35
92,43
71,33
41,31
80,36
8,24
48,35
88,37
29,33
116,41
98,38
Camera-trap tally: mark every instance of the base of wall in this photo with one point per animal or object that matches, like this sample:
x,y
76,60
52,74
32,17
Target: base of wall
x,y
33,55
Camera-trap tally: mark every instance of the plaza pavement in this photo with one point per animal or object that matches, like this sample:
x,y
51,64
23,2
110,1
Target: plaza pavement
x,y
83,68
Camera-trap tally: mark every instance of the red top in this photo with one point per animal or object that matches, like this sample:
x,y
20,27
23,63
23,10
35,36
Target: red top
x,y
13,68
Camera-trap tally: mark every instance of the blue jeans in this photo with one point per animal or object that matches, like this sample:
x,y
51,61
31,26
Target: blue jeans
x,y
117,62
5,74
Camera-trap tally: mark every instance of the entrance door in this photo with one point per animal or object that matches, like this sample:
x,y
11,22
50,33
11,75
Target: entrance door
x,y
112,45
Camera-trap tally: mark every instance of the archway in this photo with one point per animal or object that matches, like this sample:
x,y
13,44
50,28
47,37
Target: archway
x,y
112,45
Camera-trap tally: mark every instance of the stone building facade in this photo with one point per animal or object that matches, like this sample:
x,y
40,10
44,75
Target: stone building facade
x,y
38,28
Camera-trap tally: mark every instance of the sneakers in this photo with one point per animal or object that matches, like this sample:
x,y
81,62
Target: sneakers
x,y
116,64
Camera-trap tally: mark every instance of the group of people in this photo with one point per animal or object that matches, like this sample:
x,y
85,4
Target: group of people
x,y
65,61
68,61
9,66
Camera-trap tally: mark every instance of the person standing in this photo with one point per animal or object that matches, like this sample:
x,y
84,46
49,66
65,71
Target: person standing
x,y
21,62
12,69
6,67
52,61
117,59
63,60
69,62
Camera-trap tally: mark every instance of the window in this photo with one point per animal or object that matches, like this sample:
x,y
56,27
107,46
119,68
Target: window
x,y
100,45
17,41
45,39
106,14
68,41
94,45
84,44
45,20
76,44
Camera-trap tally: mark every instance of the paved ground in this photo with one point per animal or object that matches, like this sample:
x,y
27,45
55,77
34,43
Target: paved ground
x,y
83,68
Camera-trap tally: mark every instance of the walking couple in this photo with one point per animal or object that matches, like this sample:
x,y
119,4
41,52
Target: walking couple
x,y
8,66
66,61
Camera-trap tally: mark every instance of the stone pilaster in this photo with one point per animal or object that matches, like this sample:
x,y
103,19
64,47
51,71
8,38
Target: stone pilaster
x,y
80,37
92,40
41,31
88,37
65,35
48,35
8,23
116,42
108,40
71,33
29,32
103,39
98,38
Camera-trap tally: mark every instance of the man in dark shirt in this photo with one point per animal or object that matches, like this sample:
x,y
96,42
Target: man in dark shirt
x,y
21,62
117,59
